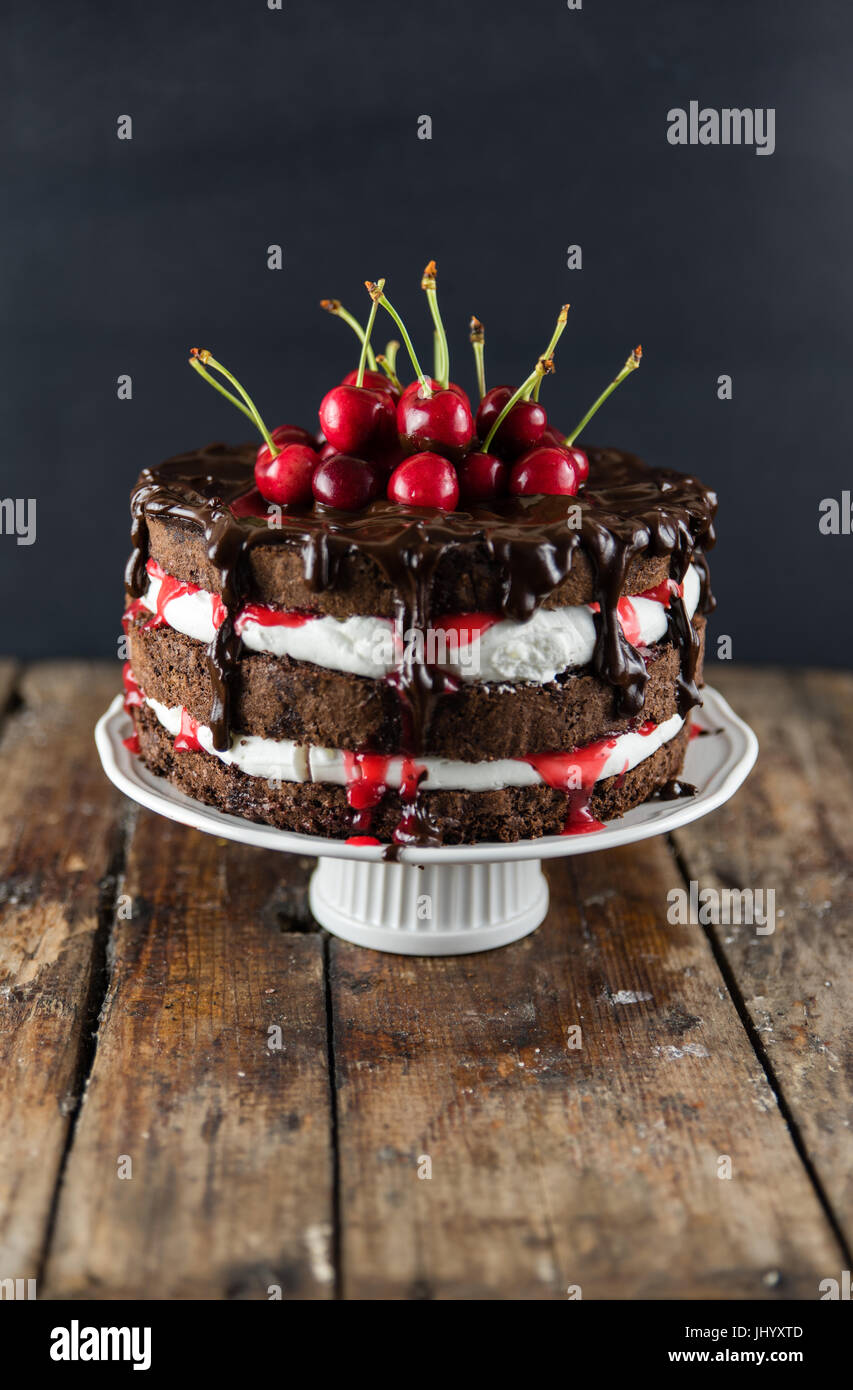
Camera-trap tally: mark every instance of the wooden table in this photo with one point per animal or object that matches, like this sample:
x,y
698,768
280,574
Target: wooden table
x,y
156,1142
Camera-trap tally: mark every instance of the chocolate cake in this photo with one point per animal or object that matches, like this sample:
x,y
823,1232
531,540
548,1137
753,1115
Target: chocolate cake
x,y
498,666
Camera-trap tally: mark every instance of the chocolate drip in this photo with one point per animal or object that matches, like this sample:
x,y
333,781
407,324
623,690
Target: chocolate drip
x,y
683,634
614,659
707,602
627,511
675,790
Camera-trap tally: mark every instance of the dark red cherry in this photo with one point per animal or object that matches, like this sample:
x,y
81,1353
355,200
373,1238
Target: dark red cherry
x,y
425,480
545,469
580,460
375,381
346,483
286,434
356,419
415,386
522,428
287,477
551,435
482,477
438,424
328,451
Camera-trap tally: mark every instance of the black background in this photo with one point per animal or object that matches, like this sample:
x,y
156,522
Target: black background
x,y
299,127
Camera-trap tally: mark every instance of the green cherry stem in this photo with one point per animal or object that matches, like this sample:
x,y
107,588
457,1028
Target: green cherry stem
x,y
389,370
545,364
533,382
378,296
477,335
206,359
217,386
391,350
334,306
359,381
630,366
549,351
442,354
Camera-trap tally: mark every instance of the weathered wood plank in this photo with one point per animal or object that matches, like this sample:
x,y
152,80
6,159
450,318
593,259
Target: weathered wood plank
x,y
554,1167
790,830
60,832
229,1140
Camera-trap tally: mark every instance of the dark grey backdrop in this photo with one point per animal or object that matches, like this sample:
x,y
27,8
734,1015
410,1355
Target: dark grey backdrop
x,y
299,127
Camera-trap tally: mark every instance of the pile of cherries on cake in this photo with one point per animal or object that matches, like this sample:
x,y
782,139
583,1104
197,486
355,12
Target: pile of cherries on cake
x,y
419,445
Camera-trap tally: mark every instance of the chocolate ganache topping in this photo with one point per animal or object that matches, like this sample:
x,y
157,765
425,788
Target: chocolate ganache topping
x,y
627,511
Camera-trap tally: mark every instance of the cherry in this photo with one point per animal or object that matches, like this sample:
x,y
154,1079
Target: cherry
x,y
551,435
482,477
415,386
522,428
431,417
328,451
356,418
425,480
346,483
376,381
286,477
580,461
284,435
515,418
544,470
440,423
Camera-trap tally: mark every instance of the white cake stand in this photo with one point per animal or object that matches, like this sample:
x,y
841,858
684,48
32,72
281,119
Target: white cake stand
x,y
459,898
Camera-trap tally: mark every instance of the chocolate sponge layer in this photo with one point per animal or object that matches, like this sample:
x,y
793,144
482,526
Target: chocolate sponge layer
x,y
514,813
275,697
466,579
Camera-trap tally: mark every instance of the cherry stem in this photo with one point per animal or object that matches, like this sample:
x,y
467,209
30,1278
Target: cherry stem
x,y
217,386
359,381
630,366
334,306
534,381
376,294
391,350
442,354
545,364
204,356
389,372
478,340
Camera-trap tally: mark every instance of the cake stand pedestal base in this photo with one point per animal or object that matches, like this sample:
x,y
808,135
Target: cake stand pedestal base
x,y
437,910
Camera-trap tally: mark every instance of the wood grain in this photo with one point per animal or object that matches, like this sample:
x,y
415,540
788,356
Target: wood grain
x,y
60,832
135,1005
229,1140
554,1167
791,830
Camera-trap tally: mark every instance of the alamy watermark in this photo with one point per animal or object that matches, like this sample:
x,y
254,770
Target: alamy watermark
x,y
722,907
18,518
730,125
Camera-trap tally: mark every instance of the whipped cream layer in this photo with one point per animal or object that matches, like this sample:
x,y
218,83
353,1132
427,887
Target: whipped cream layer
x,y
475,647
284,761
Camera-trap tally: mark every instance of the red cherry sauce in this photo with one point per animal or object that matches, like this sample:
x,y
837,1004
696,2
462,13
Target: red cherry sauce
x,y
171,588
186,739
562,770
661,593
270,617
133,697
